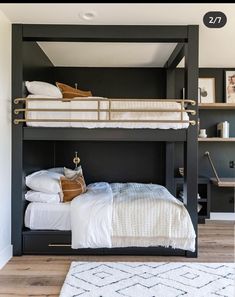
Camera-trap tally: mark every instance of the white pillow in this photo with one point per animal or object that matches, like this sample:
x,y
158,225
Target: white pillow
x,y
43,88
34,196
44,181
70,173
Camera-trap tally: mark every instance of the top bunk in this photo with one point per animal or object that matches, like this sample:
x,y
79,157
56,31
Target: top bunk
x,y
110,117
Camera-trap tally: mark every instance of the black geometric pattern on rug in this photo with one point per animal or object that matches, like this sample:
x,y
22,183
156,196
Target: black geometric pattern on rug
x,y
149,279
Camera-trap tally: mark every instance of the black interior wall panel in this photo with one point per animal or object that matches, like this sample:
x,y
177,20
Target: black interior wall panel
x,y
116,82
179,157
179,82
223,199
115,161
36,65
221,154
210,118
38,155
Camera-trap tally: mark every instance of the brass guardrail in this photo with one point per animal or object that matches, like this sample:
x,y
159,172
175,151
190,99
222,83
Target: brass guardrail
x,y
110,110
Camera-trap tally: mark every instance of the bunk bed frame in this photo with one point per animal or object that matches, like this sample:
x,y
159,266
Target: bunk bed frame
x,y
186,37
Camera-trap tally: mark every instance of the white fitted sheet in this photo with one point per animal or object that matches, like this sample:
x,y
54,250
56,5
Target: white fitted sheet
x,y
117,116
48,216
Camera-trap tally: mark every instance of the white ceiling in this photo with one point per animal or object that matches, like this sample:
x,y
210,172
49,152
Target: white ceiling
x,y
217,46
101,54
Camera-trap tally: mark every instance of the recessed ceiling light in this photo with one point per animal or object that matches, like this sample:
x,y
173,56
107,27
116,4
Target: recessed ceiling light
x,y
87,15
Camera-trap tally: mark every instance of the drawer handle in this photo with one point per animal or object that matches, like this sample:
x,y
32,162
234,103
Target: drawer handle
x,y
58,244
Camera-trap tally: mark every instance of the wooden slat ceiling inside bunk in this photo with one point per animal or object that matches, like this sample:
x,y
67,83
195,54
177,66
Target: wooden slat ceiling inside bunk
x,y
110,33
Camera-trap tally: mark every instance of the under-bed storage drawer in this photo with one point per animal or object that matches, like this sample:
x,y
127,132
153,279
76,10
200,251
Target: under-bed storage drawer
x,y
47,242
53,243
58,243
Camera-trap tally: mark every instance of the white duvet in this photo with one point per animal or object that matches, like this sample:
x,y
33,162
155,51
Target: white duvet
x,y
130,214
116,116
91,217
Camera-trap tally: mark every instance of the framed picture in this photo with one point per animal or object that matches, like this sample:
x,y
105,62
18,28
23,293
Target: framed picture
x,y
230,86
207,89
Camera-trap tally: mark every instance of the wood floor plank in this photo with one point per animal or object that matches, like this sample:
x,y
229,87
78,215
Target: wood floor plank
x,y
43,276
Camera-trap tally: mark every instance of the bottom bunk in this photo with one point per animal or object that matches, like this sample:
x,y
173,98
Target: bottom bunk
x,y
110,219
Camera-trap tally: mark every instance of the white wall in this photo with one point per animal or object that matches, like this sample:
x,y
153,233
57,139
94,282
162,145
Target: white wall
x,y
5,140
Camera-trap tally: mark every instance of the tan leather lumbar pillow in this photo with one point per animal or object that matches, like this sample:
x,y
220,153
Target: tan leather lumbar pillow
x,y
73,187
70,92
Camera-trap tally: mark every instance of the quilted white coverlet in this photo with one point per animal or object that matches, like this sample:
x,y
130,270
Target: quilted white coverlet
x,y
130,214
147,214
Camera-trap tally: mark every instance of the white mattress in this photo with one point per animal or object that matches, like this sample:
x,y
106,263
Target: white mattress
x,y
117,116
48,216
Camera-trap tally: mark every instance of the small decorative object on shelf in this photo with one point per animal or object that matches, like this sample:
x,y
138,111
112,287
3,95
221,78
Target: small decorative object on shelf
x,y
223,129
181,171
230,86
207,90
202,133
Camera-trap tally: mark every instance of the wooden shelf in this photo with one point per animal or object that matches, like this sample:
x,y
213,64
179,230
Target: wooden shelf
x,y
216,139
216,106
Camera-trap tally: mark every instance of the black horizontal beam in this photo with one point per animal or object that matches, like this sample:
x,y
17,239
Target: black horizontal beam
x,y
105,33
104,134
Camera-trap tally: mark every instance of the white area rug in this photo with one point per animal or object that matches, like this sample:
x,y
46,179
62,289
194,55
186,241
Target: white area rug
x,y
149,279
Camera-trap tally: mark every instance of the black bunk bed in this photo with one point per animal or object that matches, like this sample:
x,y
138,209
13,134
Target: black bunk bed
x,y
26,140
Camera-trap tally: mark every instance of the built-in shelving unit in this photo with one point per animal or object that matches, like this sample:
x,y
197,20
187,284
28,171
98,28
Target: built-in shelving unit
x,y
216,139
204,192
217,106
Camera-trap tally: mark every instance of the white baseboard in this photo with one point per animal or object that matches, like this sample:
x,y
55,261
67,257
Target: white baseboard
x,y
223,216
5,255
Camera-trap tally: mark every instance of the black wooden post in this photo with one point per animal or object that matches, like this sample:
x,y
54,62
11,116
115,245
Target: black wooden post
x,y
170,146
17,141
170,168
191,146
172,62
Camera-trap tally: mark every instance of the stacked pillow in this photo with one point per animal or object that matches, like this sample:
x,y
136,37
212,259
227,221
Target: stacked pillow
x,y
70,92
55,185
42,89
72,184
44,186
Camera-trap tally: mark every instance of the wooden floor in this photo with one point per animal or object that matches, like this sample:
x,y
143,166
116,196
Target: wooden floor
x,y
38,276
